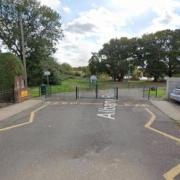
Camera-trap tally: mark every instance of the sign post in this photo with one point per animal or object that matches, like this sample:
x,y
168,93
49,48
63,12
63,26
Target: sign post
x,y
47,74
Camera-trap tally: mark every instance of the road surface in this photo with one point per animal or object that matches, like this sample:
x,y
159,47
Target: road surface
x,y
90,140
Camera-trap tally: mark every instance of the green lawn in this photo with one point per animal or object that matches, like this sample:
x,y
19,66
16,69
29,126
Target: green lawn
x,y
70,84
67,85
161,92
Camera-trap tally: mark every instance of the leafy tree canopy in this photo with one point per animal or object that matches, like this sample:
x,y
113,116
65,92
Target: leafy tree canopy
x,y
42,31
158,54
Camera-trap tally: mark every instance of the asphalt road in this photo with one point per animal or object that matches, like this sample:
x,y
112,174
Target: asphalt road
x,y
69,141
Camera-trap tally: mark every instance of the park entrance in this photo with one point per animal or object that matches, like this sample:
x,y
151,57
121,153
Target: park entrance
x,y
88,90
96,92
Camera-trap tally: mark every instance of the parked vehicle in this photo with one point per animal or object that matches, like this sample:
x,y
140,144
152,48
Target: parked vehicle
x,y
175,95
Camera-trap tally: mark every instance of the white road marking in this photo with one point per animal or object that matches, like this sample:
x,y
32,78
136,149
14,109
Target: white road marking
x,y
64,102
55,103
109,109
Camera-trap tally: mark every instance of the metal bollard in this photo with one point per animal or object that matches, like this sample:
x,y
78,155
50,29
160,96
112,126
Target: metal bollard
x,y
156,91
149,91
117,92
96,91
77,96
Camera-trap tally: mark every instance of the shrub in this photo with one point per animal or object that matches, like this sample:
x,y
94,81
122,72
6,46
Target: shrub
x,y
10,67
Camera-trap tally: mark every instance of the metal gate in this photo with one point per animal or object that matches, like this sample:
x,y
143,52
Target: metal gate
x,y
95,92
98,92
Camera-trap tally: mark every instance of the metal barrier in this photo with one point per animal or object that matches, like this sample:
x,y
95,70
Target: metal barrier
x,y
96,93
149,90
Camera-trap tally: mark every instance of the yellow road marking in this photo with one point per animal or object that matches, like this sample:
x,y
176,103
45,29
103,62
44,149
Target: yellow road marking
x,y
150,122
31,120
172,173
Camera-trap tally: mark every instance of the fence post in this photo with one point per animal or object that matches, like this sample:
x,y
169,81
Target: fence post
x,y
149,93
96,91
77,93
156,91
143,91
117,93
39,91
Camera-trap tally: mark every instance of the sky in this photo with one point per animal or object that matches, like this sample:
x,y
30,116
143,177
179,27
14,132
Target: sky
x,y
88,24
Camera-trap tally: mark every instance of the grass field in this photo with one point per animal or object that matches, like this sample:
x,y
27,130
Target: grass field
x,y
161,93
70,84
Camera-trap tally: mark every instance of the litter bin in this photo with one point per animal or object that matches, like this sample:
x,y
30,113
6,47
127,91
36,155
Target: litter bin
x,y
43,88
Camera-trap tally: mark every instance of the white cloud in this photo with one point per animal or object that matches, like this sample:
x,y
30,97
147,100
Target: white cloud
x,y
66,9
54,4
87,33
166,16
92,28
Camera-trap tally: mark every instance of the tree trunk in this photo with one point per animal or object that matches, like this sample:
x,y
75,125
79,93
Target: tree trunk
x,y
114,78
120,77
155,79
169,72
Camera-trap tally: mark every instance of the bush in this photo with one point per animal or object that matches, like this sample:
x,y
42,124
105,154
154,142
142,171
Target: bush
x,y
104,77
76,73
10,67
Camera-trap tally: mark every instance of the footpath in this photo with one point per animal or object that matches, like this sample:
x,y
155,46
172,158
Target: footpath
x,y
17,108
169,108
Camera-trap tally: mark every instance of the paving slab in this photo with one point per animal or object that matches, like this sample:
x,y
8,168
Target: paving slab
x,y
169,108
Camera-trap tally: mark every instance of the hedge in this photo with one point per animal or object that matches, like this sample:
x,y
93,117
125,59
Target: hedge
x,y
10,67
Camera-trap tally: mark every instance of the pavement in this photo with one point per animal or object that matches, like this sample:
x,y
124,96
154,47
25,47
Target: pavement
x,y
14,109
171,109
92,140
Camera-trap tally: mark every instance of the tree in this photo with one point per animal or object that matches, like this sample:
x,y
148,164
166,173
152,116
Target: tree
x,y
117,52
169,42
94,64
66,68
154,65
55,69
42,30
157,54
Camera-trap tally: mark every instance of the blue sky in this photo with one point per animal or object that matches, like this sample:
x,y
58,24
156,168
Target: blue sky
x,y
88,24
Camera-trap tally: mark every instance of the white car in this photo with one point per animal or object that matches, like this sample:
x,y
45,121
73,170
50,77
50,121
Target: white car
x,y
175,95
